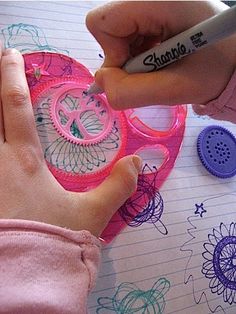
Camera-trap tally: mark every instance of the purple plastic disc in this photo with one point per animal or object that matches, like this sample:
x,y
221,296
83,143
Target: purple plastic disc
x,y
216,148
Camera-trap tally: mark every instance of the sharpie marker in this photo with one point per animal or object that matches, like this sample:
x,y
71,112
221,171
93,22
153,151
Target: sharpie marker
x,y
197,37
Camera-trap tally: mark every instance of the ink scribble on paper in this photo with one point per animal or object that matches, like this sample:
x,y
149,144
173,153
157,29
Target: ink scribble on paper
x,y
146,194
129,299
27,38
200,210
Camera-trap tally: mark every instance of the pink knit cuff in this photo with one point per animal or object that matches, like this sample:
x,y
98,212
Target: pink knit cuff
x,y
224,106
79,237
46,269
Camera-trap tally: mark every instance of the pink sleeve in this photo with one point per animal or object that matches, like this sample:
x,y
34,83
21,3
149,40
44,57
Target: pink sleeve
x,y
45,269
224,106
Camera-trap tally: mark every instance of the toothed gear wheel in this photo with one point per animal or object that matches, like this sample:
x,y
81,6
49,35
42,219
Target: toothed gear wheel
x,y
78,117
80,135
216,148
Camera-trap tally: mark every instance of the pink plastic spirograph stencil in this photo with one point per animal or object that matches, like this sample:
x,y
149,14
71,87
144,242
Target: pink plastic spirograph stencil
x,y
82,137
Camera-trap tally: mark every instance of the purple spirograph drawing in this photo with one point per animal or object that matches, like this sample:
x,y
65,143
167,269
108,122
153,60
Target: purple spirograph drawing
x,y
210,246
220,261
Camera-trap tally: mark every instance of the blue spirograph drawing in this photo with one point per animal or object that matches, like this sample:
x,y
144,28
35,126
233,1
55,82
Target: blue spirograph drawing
x,y
129,299
210,271
220,261
27,38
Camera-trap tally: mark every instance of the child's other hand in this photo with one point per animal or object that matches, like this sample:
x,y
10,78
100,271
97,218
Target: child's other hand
x,y
27,188
127,28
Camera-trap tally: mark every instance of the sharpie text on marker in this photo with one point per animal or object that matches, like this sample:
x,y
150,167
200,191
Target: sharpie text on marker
x,y
159,61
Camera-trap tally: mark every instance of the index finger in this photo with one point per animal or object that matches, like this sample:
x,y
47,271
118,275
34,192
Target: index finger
x,y
116,25
18,114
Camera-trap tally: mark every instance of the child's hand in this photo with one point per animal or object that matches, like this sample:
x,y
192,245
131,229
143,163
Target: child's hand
x,y
127,28
27,188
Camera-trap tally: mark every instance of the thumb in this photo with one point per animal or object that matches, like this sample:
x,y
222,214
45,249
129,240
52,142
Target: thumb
x,y
110,195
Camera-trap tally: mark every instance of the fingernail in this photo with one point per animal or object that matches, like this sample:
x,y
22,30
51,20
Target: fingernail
x,y
138,163
98,78
10,51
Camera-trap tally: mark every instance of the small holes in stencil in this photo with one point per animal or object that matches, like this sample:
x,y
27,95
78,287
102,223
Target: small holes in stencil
x,y
153,156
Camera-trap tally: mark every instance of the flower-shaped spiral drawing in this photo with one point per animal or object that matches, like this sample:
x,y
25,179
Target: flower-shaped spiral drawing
x,y
69,157
129,299
80,118
220,261
211,246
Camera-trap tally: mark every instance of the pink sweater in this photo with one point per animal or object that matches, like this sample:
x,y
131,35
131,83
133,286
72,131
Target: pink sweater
x,y
45,269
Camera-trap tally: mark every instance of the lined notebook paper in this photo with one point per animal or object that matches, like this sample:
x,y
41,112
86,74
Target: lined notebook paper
x,y
187,263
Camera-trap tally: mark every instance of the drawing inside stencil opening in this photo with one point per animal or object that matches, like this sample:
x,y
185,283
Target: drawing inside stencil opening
x,y
81,119
77,133
160,122
154,156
